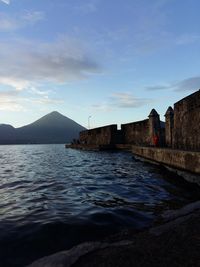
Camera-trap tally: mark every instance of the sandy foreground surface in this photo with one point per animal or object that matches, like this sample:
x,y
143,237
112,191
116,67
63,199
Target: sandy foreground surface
x,y
173,241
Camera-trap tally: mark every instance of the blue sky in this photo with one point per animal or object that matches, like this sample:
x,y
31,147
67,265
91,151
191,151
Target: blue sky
x,y
113,60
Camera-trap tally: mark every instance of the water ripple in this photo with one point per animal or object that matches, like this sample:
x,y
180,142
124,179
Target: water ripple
x,y
47,186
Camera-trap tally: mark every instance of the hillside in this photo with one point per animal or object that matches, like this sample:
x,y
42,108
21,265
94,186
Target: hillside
x,y
52,128
7,133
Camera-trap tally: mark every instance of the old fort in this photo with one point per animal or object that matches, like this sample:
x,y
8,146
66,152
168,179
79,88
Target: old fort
x,y
174,143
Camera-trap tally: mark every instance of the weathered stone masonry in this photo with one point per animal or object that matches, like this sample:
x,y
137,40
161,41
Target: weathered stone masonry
x,y
181,129
186,131
182,125
135,133
169,126
106,135
142,133
185,163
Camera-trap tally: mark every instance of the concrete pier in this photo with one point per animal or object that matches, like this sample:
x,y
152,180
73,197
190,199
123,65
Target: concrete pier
x,y
184,163
92,147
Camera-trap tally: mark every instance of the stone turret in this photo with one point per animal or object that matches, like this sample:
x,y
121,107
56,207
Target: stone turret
x,y
169,125
154,127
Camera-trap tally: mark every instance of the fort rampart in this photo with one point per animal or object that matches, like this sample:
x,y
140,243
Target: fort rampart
x,y
100,136
175,143
136,133
186,130
140,133
180,130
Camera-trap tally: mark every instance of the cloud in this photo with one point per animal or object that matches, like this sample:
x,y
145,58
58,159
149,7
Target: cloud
x,y
6,1
42,97
13,100
127,100
10,93
45,100
9,102
10,105
150,32
8,23
189,84
17,83
24,63
157,87
87,6
18,21
33,16
39,92
103,107
185,39
122,100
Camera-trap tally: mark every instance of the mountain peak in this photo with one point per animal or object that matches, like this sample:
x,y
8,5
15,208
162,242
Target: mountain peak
x,y
54,113
51,128
53,118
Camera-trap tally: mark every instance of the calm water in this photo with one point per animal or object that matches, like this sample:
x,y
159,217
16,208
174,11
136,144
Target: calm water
x,y
52,198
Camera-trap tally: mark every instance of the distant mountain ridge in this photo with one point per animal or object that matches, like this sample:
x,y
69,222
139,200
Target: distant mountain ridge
x,y
52,128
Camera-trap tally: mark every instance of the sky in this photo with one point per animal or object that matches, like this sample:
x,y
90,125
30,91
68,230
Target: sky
x,y
102,61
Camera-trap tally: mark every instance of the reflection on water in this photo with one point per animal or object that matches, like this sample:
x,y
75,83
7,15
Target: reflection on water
x,y
53,198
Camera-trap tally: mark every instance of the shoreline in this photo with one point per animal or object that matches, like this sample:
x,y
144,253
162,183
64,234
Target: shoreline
x,y
173,240
182,162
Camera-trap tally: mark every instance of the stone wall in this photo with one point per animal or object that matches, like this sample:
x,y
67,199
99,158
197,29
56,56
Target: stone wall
x,y
186,132
100,136
156,129
185,161
136,133
143,133
169,126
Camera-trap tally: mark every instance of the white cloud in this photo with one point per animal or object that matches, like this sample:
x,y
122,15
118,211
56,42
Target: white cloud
x,y
46,100
9,102
127,100
14,100
24,63
33,16
103,107
39,92
87,6
18,21
6,1
121,100
8,23
189,84
10,105
17,83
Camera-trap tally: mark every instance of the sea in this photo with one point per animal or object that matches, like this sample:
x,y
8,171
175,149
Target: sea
x,y
53,198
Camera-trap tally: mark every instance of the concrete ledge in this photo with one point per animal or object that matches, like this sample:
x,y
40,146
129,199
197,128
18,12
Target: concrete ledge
x,y
82,147
183,161
123,147
91,147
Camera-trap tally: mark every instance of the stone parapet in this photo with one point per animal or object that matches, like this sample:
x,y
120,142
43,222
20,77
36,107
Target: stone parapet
x,y
185,161
105,135
187,123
